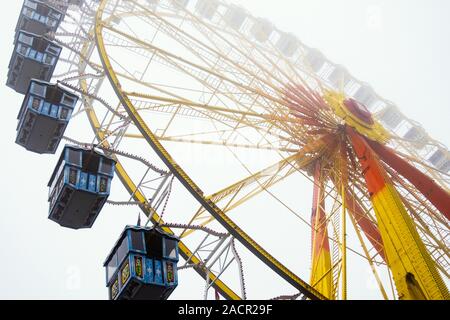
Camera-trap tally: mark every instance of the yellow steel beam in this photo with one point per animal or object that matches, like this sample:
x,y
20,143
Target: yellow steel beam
x,y
282,125
344,245
230,118
213,108
213,143
344,183
296,162
413,269
321,267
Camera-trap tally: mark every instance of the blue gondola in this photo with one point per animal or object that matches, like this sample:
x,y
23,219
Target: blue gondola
x,y
34,57
39,18
79,187
142,265
43,117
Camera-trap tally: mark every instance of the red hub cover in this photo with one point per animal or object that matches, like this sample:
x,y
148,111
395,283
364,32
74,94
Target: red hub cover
x,y
359,111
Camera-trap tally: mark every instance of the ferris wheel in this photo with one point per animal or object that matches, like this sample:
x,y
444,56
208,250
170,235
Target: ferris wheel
x,y
279,173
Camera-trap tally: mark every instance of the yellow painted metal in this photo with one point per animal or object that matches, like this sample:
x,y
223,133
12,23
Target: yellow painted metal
x,y
414,272
168,54
300,160
374,132
413,269
220,216
209,142
211,108
176,61
343,244
321,275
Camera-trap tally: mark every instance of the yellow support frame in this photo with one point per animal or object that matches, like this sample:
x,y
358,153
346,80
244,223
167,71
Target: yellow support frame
x,y
414,271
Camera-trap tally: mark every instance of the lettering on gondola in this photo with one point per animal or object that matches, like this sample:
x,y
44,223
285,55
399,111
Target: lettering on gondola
x,y
73,176
64,113
138,266
125,273
115,289
170,273
36,103
103,184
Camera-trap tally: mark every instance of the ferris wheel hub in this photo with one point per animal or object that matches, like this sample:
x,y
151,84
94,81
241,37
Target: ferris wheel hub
x,y
356,115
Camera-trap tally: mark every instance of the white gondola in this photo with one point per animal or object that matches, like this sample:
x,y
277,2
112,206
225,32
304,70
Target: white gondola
x,y
440,159
207,8
391,117
152,3
262,30
288,44
365,95
235,17
315,59
417,136
339,77
177,4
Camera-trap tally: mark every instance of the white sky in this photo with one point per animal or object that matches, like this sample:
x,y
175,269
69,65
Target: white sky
x,y
400,47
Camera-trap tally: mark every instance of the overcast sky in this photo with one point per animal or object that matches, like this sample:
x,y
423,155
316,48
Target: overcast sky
x,y
400,47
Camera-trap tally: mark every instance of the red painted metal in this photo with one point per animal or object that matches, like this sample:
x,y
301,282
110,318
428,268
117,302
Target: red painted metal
x,y
369,228
427,186
359,110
